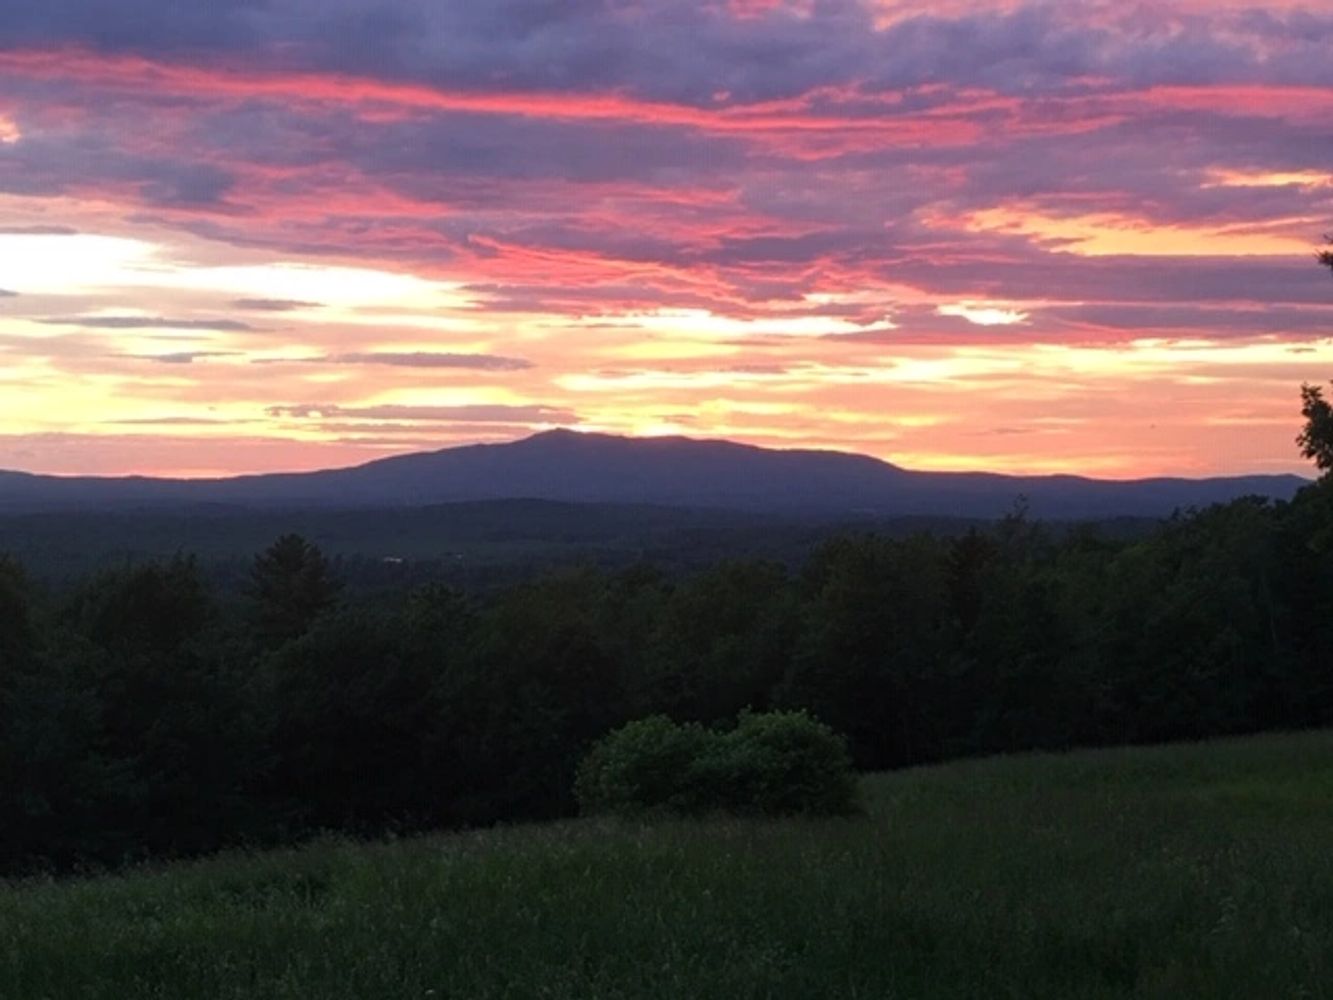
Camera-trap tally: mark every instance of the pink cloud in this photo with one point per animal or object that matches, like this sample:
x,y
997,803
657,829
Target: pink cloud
x,y
865,169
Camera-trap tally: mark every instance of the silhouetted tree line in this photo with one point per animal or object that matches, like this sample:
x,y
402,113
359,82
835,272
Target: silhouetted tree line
x,y
140,716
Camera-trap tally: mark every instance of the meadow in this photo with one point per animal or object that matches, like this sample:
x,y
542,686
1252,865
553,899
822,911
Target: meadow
x,y
1198,870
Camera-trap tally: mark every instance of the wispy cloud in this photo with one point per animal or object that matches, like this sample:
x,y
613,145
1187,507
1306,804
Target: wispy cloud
x,y
180,357
147,323
38,231
272,305
173,421
492,413
430,359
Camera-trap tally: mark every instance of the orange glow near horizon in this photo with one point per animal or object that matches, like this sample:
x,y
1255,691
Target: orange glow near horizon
x,y
669,372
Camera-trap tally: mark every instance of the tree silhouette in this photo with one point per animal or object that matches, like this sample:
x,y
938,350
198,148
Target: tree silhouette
x,y
291,585
1316,439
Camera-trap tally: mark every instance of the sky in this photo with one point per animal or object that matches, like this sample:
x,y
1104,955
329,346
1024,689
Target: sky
x,y
1010,235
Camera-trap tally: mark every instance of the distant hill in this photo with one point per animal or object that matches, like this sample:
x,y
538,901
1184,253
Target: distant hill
x,y
599,468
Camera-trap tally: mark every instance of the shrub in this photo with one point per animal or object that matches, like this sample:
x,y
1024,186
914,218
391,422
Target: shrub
x,y
787,763
770,764
643,766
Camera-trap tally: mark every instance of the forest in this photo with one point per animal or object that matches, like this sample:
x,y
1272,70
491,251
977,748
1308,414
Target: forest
x,y
143,715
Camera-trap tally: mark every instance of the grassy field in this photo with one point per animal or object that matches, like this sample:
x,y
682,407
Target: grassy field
x,y
1195,871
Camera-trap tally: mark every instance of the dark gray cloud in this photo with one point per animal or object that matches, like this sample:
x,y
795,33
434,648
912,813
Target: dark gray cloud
x,y
5,293
149,323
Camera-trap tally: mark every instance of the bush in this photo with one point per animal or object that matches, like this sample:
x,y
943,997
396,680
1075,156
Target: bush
x,y
643,766
770,764
789,763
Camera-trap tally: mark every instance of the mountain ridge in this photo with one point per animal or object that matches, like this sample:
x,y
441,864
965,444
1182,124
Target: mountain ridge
x,y
573,466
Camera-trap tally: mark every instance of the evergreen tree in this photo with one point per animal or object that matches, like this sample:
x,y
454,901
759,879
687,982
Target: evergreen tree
x,y
291,586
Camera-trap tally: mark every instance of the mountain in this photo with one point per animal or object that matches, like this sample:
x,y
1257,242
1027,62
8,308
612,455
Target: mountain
x,y
574,467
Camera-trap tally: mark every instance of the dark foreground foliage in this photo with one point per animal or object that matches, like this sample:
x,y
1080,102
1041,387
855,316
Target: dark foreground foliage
x,y
142,715
1174,873
768,764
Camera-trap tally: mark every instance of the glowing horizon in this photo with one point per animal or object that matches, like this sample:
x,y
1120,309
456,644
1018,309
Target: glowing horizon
x,y
1013,236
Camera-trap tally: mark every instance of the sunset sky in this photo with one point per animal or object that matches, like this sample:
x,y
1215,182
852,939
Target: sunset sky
x,y
249,235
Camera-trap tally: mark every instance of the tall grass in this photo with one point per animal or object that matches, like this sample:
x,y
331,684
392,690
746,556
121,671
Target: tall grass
x,y
1196,871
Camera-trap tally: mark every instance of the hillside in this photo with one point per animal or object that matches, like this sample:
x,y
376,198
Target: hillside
x,y
597,468
1186,871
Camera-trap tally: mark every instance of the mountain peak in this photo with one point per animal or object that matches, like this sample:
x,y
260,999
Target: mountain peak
x,y
559,434
647,444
